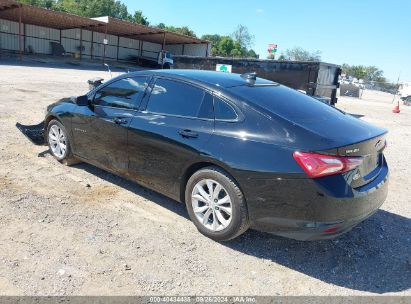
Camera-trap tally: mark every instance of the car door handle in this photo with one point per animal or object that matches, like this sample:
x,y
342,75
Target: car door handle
x,y
188,134
120,121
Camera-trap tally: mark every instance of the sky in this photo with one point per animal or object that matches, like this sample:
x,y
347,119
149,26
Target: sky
x,y
366,32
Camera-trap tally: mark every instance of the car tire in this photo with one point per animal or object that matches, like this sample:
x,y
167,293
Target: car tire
x,y
238,221
58,142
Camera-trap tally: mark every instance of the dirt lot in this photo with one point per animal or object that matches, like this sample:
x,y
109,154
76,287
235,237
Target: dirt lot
x,y
81,231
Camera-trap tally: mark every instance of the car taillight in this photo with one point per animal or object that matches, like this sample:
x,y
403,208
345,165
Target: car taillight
x,y
317,165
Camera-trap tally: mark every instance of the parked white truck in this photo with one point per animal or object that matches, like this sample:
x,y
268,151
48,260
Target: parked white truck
x,y
405,91
164,60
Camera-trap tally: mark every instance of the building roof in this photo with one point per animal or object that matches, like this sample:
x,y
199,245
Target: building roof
x,y
11,10
138,31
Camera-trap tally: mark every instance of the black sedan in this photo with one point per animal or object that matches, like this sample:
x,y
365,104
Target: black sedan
x,y
238,150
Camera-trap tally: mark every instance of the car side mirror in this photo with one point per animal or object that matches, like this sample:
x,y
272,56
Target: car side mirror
x,y
82,101
95,82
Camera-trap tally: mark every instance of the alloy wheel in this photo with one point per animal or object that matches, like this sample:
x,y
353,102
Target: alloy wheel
x,y
211,204
57,141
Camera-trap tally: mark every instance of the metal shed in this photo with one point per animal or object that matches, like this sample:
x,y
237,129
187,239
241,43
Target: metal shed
x,y
28,29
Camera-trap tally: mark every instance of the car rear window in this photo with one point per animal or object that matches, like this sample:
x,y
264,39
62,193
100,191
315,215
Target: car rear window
x,y
288,103
223,111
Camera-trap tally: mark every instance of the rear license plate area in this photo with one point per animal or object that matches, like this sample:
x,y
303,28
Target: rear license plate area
x,y
369,170
369,164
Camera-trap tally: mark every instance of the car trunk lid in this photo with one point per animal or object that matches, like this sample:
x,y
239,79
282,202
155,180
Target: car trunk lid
x,y
316,127
371,151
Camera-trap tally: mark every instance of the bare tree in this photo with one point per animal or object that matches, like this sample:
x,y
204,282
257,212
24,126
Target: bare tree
x,y
299,54
242,35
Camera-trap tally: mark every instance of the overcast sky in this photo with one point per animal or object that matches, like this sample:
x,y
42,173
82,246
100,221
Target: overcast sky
x,y
368,32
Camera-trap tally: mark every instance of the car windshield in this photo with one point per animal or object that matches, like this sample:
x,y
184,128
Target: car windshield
x,y
288,103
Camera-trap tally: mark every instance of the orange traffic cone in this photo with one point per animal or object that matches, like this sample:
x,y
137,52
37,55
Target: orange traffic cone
x,y
396,108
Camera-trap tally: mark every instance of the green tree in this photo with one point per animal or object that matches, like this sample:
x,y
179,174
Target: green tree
x,y
300,54
243,36
139,18
371,74
161,26
252,54
238,50
357,71
236,53
68,6
282,57
40,3
94,8
214,39
184,30
215,51
368,73
225,46
71,6
230,46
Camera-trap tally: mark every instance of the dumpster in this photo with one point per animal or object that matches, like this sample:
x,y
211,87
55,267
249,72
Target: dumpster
x,y
318,79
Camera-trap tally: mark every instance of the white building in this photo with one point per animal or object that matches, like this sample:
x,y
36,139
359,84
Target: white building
x,y
27,29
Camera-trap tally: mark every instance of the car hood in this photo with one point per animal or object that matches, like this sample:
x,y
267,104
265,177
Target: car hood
x,y
71,99
60,101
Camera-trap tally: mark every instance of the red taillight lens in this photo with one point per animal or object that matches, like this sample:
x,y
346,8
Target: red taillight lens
x,y
317,165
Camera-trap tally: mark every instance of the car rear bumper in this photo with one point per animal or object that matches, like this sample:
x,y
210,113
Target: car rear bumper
x,y
323,231
303,209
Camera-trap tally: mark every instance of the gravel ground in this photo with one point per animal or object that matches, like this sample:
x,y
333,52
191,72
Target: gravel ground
x,y
81,231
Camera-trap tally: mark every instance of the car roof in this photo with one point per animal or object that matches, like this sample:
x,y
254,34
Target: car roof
x,y
218,79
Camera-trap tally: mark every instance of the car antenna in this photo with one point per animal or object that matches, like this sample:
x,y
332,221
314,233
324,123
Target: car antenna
x,y
249,77
108,67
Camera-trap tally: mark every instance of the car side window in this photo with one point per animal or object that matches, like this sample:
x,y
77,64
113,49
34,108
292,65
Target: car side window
x,y
223,111
170,97
123,93
207,107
